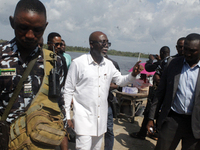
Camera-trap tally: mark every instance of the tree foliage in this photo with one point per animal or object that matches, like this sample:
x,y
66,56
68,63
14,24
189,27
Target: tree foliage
x,y
2,41
110,52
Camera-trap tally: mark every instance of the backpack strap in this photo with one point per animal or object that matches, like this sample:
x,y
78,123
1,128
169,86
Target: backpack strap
x,y
42,97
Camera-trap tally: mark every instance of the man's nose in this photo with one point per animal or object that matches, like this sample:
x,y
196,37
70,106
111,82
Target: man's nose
x,y
30,34
106,45
59,47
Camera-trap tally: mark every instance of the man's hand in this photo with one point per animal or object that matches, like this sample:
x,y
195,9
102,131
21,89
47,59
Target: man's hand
x,y
150,125
137,69
152,57
70,124
113,86
64,144
158,57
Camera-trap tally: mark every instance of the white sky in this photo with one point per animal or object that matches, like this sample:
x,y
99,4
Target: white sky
x,y
131,25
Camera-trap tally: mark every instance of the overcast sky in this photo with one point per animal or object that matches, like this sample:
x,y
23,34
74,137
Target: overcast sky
x,y
131,25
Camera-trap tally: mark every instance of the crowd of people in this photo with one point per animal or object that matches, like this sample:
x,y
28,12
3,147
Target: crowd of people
x,y
171,114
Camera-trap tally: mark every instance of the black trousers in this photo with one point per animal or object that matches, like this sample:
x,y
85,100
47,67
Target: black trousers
x,y
177,127
143,129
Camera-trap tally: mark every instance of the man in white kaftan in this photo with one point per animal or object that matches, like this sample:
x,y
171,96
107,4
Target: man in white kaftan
x,y
88,82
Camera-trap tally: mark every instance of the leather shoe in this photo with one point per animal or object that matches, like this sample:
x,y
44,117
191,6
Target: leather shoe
x,y
137,136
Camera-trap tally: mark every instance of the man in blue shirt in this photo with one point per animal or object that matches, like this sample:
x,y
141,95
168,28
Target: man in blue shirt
x,y
178,97
67,56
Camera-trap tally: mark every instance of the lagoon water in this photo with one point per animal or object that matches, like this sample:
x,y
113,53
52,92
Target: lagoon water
x,y
125,63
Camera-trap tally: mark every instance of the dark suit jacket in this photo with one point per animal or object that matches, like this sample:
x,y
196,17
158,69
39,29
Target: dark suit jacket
x,y
110,95
166,92
64,66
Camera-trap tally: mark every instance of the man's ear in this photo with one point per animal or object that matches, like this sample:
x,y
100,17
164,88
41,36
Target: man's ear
x,y
91,44
46,24
11,21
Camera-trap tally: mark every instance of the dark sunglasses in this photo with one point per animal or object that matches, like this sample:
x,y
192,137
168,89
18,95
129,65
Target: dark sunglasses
x,y
56,44
102,43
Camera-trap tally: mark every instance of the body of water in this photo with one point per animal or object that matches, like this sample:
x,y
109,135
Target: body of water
x,y
125,63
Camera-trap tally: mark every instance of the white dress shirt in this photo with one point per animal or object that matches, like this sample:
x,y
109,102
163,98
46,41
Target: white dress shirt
x,y
88,84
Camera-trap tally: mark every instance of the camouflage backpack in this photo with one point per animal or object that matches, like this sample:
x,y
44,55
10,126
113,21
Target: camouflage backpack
x,y
41,126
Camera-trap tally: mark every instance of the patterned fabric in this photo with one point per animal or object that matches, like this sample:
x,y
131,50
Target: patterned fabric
x,y
11,70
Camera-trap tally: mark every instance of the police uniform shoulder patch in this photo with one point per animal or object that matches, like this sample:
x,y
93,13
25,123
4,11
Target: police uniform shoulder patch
x,y
7,71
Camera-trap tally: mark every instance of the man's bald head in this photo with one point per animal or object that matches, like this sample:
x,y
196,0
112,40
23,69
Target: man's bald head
x,y
95,36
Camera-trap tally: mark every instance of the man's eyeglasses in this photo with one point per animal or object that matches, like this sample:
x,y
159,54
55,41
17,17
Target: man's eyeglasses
x,y
56,44
102,43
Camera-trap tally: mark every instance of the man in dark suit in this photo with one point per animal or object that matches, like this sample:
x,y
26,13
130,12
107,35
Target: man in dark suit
x,y
178,100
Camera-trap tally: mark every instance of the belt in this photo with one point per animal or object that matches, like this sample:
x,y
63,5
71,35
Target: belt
x,y
173,113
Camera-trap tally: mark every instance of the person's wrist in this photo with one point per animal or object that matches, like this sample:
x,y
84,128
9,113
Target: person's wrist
x,y
133,74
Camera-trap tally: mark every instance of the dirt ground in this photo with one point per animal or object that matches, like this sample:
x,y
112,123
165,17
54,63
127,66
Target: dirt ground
x,y
122,128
